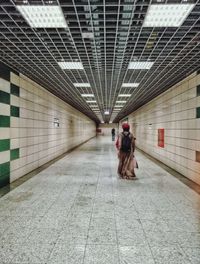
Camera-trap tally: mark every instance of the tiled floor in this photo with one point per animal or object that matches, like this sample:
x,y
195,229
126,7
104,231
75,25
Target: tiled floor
x,y
78,212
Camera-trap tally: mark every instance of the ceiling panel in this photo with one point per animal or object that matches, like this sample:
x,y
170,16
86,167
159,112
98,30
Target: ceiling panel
x,y
105,36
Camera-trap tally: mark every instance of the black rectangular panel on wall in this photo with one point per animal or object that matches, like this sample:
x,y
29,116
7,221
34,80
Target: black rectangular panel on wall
x,y
198,112
198,90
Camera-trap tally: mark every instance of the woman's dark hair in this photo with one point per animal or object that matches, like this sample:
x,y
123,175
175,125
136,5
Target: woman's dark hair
x,y
126,129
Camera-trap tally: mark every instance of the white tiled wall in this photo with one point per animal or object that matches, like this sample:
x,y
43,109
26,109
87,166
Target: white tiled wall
x,y
34,132
175,111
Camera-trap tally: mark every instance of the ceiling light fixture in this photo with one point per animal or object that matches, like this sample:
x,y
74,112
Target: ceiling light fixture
x,y
81,85
140,65
124,95
43,16
121,102
106,112
91,101
130,85
167,15
87,95
71,65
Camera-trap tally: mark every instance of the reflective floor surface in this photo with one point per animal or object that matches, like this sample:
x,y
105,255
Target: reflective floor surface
x,y
78,211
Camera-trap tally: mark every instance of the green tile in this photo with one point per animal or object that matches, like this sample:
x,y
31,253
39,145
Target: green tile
x,y
198,112
14,111
14,89
4,174
4,168
198,90
5,72
4,180
4,121
4,97
4,144
14,154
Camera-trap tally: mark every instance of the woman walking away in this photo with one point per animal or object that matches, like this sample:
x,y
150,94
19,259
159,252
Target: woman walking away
x,y
126,148
113,134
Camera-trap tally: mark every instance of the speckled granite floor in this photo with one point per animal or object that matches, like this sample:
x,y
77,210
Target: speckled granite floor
x,y
78,212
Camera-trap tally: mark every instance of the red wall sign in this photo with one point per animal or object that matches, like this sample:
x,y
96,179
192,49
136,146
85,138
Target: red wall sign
x,y
161,137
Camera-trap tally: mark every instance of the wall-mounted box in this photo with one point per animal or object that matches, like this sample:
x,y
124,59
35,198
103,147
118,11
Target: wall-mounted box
x,y
198,156
56,122
161,137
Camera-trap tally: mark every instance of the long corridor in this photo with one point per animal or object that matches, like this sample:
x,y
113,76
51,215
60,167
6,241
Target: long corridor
x,y
78,211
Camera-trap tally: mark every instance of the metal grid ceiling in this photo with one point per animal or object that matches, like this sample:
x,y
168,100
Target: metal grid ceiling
x,y
118,38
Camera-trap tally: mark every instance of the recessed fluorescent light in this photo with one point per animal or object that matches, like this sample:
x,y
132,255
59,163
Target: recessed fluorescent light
x,y
91,101
167,15
121,102
87,95
106,112
43,16
124,95
140,65
129,85
71,65
81,85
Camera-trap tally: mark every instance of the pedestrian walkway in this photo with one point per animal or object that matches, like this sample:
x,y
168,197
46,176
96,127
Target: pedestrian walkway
x,y
77,211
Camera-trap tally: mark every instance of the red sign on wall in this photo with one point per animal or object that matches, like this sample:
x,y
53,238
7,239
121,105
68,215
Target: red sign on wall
x,y
161,135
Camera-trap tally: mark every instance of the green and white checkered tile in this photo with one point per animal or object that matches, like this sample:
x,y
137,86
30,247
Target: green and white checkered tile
x,y
9,94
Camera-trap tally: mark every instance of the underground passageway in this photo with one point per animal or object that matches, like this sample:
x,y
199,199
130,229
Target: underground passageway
x,y
78,211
